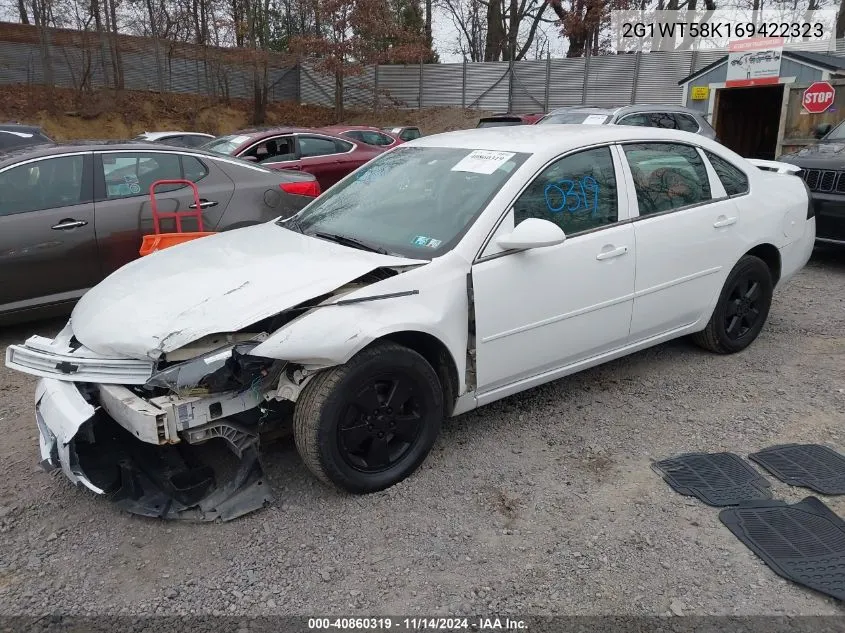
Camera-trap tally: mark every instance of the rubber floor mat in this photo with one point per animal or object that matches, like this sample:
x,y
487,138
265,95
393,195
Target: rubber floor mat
x,y
803,542
717,479
810,466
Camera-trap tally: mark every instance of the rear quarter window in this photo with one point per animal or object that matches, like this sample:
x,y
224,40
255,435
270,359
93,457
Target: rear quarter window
x,y
733,178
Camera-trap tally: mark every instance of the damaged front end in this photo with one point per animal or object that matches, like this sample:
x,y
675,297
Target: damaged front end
x,y
170,426
180,443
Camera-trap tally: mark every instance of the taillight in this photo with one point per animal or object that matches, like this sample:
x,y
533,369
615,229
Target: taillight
x,y
310,188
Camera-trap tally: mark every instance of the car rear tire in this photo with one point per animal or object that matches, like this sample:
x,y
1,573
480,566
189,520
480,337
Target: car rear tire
x,y
368,424
742,308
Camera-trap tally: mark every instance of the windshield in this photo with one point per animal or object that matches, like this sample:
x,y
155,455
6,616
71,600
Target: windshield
x,y
413,201
225,144
587,118
498,122
837,133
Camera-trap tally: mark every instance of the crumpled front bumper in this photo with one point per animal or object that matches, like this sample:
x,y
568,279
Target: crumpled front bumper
x,y
174,481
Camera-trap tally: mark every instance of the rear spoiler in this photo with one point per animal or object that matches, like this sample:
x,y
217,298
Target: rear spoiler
x,y
773,165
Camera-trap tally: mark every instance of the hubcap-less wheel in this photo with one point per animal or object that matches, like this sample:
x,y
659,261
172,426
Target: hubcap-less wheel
x,y
743,307
381,423
369,423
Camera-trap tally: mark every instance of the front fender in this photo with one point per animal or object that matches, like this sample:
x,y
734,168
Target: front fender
x,y
332,334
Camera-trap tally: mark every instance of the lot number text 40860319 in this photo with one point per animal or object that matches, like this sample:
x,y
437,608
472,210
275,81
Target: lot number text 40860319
x,y
418,624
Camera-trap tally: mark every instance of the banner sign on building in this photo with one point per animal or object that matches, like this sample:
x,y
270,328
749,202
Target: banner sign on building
x,y
754,61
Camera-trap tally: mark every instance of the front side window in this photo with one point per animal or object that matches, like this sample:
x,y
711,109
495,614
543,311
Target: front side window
x,y
733,179
318,146
43,184
667,176
414,201
273,150
638,120
577,192
837,133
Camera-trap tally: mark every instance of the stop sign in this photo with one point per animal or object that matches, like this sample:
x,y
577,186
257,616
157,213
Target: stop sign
x,y
818,97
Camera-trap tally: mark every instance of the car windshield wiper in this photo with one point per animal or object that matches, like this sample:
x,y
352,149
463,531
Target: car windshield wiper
x,y
352,242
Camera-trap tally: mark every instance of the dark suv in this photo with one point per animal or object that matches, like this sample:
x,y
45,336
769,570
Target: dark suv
x,y
823,169
501,120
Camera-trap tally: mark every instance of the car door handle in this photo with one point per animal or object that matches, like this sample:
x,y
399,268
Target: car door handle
x,y
612,252
68,223
204,204
724,220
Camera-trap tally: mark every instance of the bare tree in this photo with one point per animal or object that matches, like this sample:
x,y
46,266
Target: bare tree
x,y
24,17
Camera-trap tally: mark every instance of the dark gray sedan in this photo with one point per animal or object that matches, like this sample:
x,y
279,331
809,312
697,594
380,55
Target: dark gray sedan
x,y
72,214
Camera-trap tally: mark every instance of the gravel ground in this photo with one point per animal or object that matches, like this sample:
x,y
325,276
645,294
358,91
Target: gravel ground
x,y
544,503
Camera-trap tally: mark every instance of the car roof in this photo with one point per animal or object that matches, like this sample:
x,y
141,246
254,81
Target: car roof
x,y
20,127
55,149
270,131
152,136
550,141
627,109
369,128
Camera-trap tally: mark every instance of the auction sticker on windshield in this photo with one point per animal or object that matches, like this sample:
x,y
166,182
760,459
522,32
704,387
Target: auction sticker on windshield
x,y
482,161
595,119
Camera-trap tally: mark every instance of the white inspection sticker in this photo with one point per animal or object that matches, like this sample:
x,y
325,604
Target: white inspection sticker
x,y
483,161
594,119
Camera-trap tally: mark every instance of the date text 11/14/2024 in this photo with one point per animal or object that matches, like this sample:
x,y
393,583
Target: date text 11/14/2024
x,y
480,624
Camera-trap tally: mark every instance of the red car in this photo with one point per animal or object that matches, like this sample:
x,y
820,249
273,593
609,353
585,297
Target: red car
x,y
364,134
329,157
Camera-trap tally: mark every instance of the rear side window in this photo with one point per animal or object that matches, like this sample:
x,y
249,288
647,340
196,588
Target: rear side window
x,y
686,122
370,137
193,169
667,176
131,174
733,179
314,146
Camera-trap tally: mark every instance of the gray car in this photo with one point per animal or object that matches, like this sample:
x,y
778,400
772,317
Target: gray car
x,y
671,117
72,214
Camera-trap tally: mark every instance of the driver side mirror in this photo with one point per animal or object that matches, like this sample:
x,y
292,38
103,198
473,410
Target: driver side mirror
x,y
821,130
532,233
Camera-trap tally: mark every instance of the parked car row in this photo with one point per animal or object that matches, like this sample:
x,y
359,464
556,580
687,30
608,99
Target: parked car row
x,y
72,213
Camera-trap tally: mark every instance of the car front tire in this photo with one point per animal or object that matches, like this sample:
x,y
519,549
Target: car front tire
x,y
368,424
742,309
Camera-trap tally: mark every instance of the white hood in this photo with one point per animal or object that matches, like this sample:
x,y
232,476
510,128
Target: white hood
x,y
216,284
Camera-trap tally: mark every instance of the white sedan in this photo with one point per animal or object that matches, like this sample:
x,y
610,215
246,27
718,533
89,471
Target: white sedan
x,y
443,275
